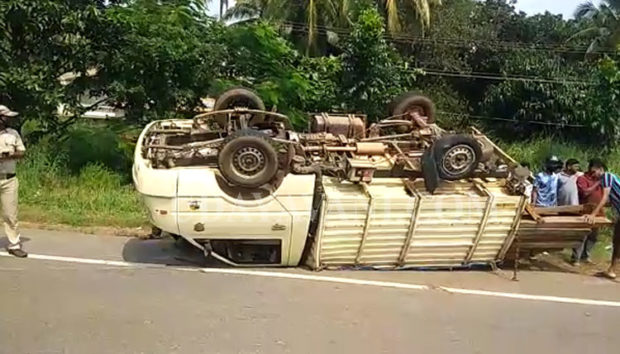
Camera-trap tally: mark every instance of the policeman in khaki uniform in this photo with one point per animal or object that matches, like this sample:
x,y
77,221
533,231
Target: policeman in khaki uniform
x,y
11,149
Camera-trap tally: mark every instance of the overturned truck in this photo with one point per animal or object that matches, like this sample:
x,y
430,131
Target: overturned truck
x,y
239,183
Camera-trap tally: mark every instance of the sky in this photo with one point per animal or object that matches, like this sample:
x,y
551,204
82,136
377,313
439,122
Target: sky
x,y
531,7
564,7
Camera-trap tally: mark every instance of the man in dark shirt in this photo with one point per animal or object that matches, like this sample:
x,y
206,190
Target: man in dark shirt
x,y
611,193
590,192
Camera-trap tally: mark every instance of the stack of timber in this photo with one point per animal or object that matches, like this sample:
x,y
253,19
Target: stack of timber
x,y
552,229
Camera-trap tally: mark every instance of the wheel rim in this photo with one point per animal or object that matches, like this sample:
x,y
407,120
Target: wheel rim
x,y
458,159
248,161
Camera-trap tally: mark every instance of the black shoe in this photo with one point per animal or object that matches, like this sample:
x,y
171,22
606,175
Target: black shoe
x,y
18,252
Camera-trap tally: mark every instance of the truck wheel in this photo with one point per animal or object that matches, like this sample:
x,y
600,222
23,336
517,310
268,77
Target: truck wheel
x,y
248,159
457,156
239,97
411,101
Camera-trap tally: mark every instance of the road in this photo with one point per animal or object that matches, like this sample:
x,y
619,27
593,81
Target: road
x,y
78,303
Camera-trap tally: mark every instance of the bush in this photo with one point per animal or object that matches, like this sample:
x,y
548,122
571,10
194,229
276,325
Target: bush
x,y
536,150
89,144
94,195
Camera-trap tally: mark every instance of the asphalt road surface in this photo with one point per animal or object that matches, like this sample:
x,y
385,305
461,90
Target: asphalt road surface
x,y
77,303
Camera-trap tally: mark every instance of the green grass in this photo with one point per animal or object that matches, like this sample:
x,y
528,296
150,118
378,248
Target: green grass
x,y
537,150
94,195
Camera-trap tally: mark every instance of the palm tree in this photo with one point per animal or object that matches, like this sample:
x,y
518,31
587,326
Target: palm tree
x,y
223,4
604,24
305,15
311,15
399,11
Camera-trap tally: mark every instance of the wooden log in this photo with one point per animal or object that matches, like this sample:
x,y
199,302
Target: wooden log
x,y
532,212
549,246
566,209
573,222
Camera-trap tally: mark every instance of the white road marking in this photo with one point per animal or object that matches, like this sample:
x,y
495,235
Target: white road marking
x,y
270,274
566,300
281,275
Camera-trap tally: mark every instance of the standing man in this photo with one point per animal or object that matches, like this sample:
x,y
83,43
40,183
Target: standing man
x,y
11,149
611,193
545,192
567,183
590,193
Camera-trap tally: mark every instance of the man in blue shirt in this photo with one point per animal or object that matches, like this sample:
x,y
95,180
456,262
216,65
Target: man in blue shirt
x,y
611,193
545,192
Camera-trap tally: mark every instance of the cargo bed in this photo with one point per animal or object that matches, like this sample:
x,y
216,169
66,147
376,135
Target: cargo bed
x,y
395,223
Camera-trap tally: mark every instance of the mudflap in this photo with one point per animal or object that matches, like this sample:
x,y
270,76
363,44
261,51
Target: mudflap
x,y
429,171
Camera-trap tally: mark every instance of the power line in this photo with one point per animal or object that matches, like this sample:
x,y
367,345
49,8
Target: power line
x,y
490,76
471,45
536,45
515,121
457,42
494,76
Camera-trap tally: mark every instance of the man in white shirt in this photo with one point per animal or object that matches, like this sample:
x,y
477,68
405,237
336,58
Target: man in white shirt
x,y
568,194
11,149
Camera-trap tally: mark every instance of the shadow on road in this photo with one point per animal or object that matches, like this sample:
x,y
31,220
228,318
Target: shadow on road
x,y
165,251
168,251
4,241
556,263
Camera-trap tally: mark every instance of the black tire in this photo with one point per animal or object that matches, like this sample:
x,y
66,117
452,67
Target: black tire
x,y
411,100
248,159
457,156
239,97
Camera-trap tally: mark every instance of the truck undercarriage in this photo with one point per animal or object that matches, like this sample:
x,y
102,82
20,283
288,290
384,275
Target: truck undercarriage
x,y
253,147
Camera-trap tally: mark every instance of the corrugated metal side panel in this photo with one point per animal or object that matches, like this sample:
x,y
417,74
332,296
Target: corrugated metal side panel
x,y
388,223
499,225
346,208
447,224
347,219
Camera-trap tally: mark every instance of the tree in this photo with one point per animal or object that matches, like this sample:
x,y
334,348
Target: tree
x,y
312,16
263,60
305,16
604,25
373,72
40,40
159,57
223,5
398,12
554,106
604,101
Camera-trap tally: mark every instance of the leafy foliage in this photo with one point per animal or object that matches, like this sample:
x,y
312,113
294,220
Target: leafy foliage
x,y
603,24
527,101
604,101
306,17
295,84
40,40
159,57
398,14
373,72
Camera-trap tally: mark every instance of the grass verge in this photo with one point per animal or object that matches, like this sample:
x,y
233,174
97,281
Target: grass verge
x,y
93,196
